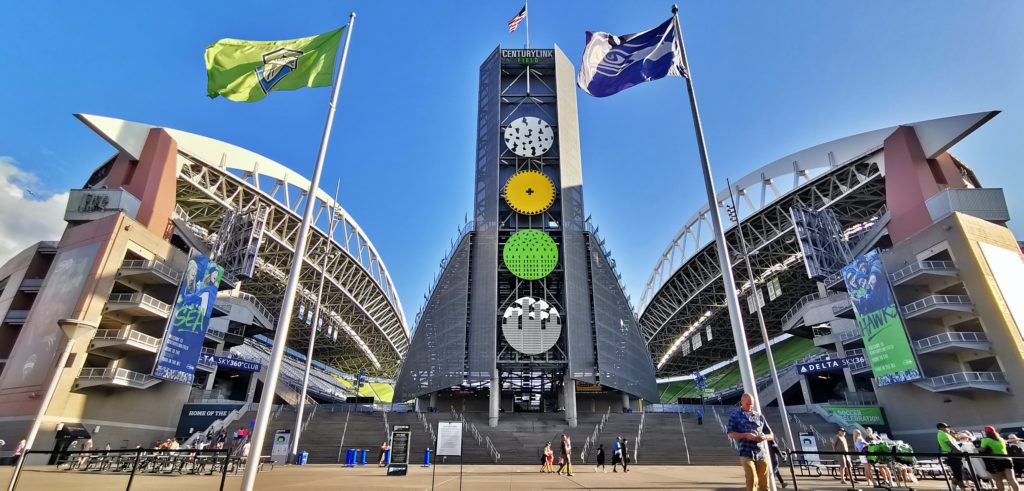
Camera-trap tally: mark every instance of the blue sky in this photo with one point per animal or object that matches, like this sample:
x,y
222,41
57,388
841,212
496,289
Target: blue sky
x,y
772,78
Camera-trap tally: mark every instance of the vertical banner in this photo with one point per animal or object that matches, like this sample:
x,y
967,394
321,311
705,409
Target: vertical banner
x,y
878,317
183,339
400,440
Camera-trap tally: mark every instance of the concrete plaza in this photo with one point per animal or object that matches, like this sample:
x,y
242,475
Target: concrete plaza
x,y
483,477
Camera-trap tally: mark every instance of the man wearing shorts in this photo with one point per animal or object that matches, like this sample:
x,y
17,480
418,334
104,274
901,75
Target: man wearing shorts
x,y
845,463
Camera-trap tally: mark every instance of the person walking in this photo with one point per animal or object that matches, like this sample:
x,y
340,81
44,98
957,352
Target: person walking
x,y
1015,449
700,417
566,454
625,455
546,459
948,445
845,463
861,445
384,447
617,453
1000,466
776,453
600,459
749,428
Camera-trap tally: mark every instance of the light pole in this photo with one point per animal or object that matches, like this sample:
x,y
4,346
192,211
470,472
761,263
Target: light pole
x,y
74,329
734,216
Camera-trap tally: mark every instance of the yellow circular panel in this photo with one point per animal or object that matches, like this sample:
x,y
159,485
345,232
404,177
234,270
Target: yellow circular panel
x,y
529,192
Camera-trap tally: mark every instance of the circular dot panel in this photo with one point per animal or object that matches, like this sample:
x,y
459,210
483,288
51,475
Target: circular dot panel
x,y
530,254
529,192
529,136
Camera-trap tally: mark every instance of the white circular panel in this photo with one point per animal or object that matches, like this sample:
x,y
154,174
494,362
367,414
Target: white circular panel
x,y
531,326
529,136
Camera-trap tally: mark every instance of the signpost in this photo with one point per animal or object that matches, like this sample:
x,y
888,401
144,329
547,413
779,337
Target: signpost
x,y
449,442
808,443
400,439
278,452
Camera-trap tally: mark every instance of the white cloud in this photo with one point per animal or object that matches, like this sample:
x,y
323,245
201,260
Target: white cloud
x,y
26,214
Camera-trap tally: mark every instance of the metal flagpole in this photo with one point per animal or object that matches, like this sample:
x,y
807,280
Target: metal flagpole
x,y
331,223
526,5
738,332
288,303
760,318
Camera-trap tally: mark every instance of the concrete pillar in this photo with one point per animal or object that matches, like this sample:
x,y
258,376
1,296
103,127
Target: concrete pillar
x,y
250,393
210,379
433,399
625,400
570,400
492,413
805,388
840,352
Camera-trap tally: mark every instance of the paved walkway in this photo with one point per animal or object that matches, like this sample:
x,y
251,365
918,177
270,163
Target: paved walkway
x,y
475,477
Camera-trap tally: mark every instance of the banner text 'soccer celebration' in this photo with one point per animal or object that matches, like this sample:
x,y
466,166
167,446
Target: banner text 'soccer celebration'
x,y
183,340
246,71
878,317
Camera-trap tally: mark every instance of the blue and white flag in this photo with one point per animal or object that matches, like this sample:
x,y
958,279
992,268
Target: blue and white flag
x,y
615,63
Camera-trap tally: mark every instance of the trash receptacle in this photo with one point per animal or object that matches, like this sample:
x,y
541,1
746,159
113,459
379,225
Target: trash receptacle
x,y
303,457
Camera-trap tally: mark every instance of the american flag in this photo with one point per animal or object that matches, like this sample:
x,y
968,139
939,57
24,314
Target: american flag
x,y
514,23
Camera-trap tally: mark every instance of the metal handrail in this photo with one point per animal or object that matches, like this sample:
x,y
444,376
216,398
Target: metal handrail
x,y
963,378
154,265
933,300
129,376
950,337
141,299
262,309
847,305
922,266
128,335
849,334
806,299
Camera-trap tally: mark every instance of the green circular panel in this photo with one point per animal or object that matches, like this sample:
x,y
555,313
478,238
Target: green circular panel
x,y
530,254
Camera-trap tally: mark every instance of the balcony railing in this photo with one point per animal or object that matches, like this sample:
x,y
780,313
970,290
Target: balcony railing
x,y
804,300
256,303
913,268
849,334
116,375
949,338
31,285
986,204
936,300
842,307
127,335
963,378
140,299
153,265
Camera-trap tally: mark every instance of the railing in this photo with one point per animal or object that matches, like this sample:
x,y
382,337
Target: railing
x,y
962,378
128,335
950,337
922,266
849,334
141,299
933,300
158,266
842,307
427,427
495,454
255,302
115,375
31,284
806,299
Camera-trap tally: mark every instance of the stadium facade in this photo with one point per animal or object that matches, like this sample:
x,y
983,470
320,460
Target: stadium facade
x,y
134,228
953,267
528,314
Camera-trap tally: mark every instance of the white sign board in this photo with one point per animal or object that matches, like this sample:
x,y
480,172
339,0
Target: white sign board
x,y
808,443
279,451
449,438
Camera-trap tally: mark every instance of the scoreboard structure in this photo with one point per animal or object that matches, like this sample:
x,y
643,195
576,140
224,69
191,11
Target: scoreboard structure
x,y
528,305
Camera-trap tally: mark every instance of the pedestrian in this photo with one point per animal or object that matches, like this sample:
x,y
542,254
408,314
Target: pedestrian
x,y
879,455
948,445
567,453
1015,449
617,453
600,459
749,428
245,452
1000,466
383,452
561,465
776,453
845,463
18,451
700,417
861,445
625,455
545,459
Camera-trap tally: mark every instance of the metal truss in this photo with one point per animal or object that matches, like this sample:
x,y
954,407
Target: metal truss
x,y
855,192
358,295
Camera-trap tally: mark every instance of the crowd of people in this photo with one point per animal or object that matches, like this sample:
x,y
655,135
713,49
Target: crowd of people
x,y
620,456
996,467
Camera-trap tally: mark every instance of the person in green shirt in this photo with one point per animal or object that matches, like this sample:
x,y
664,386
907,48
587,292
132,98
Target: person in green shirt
x,y
948,445
1000,468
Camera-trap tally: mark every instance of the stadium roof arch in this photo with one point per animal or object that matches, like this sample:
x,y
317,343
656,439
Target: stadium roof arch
x,y
359,294
683,316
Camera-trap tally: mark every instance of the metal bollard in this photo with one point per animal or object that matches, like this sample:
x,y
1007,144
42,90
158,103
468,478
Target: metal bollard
x,y
426,458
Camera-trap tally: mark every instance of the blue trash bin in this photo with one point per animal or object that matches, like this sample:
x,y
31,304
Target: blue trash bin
x,y
362,456
303,457
350,457
426,458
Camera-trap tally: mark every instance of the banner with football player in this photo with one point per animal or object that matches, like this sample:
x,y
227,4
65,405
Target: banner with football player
x,y
183,339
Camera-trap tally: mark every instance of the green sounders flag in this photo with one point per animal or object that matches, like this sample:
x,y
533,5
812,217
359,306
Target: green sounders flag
x,y
246,71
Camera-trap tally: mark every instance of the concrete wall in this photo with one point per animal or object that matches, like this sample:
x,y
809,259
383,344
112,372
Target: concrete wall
x,y
913,411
